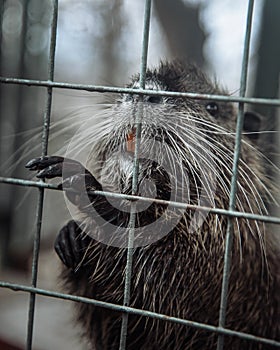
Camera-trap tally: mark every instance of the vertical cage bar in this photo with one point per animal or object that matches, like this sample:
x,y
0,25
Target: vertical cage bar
x,y
45,136
1,30
139,114
232,201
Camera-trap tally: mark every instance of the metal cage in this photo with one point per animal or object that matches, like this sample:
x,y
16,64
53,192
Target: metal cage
x,y
49,85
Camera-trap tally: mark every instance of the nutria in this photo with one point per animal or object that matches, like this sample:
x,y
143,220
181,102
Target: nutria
x,y
179,254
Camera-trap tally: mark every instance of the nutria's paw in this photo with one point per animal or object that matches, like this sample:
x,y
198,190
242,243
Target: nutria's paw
x,y
77,180
55,166
71,245
43,162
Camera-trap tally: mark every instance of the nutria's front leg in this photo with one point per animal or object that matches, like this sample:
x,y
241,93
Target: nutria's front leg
x,y
74,175
71,245
79,185
80,253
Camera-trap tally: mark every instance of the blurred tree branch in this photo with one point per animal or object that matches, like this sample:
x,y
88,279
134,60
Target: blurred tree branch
x,y
184,35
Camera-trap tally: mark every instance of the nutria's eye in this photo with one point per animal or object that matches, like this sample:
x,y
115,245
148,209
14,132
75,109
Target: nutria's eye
x,y
154,99
212,108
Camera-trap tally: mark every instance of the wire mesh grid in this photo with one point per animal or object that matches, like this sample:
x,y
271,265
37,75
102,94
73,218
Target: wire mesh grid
x,y
231,213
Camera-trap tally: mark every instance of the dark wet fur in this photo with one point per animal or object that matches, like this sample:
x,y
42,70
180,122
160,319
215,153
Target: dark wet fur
x,y
181,274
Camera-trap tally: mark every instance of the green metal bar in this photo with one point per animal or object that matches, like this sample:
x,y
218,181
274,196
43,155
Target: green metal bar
x,y
232,200
231,213
139,312
120,90
139,115
45,136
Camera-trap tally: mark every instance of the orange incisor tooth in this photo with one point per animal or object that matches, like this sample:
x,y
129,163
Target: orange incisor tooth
x,y
131,140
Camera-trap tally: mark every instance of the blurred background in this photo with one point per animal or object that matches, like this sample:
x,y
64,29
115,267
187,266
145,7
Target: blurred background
x,y
99,42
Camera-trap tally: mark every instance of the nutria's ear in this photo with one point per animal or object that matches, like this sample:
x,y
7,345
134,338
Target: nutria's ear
x,y
252,125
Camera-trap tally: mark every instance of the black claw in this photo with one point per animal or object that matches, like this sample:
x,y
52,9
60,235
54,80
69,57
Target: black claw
x,y
51,171
42,162
34,164
70,246
62,244
75,176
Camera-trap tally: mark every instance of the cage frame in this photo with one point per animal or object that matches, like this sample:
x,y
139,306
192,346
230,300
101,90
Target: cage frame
x,y
50,84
